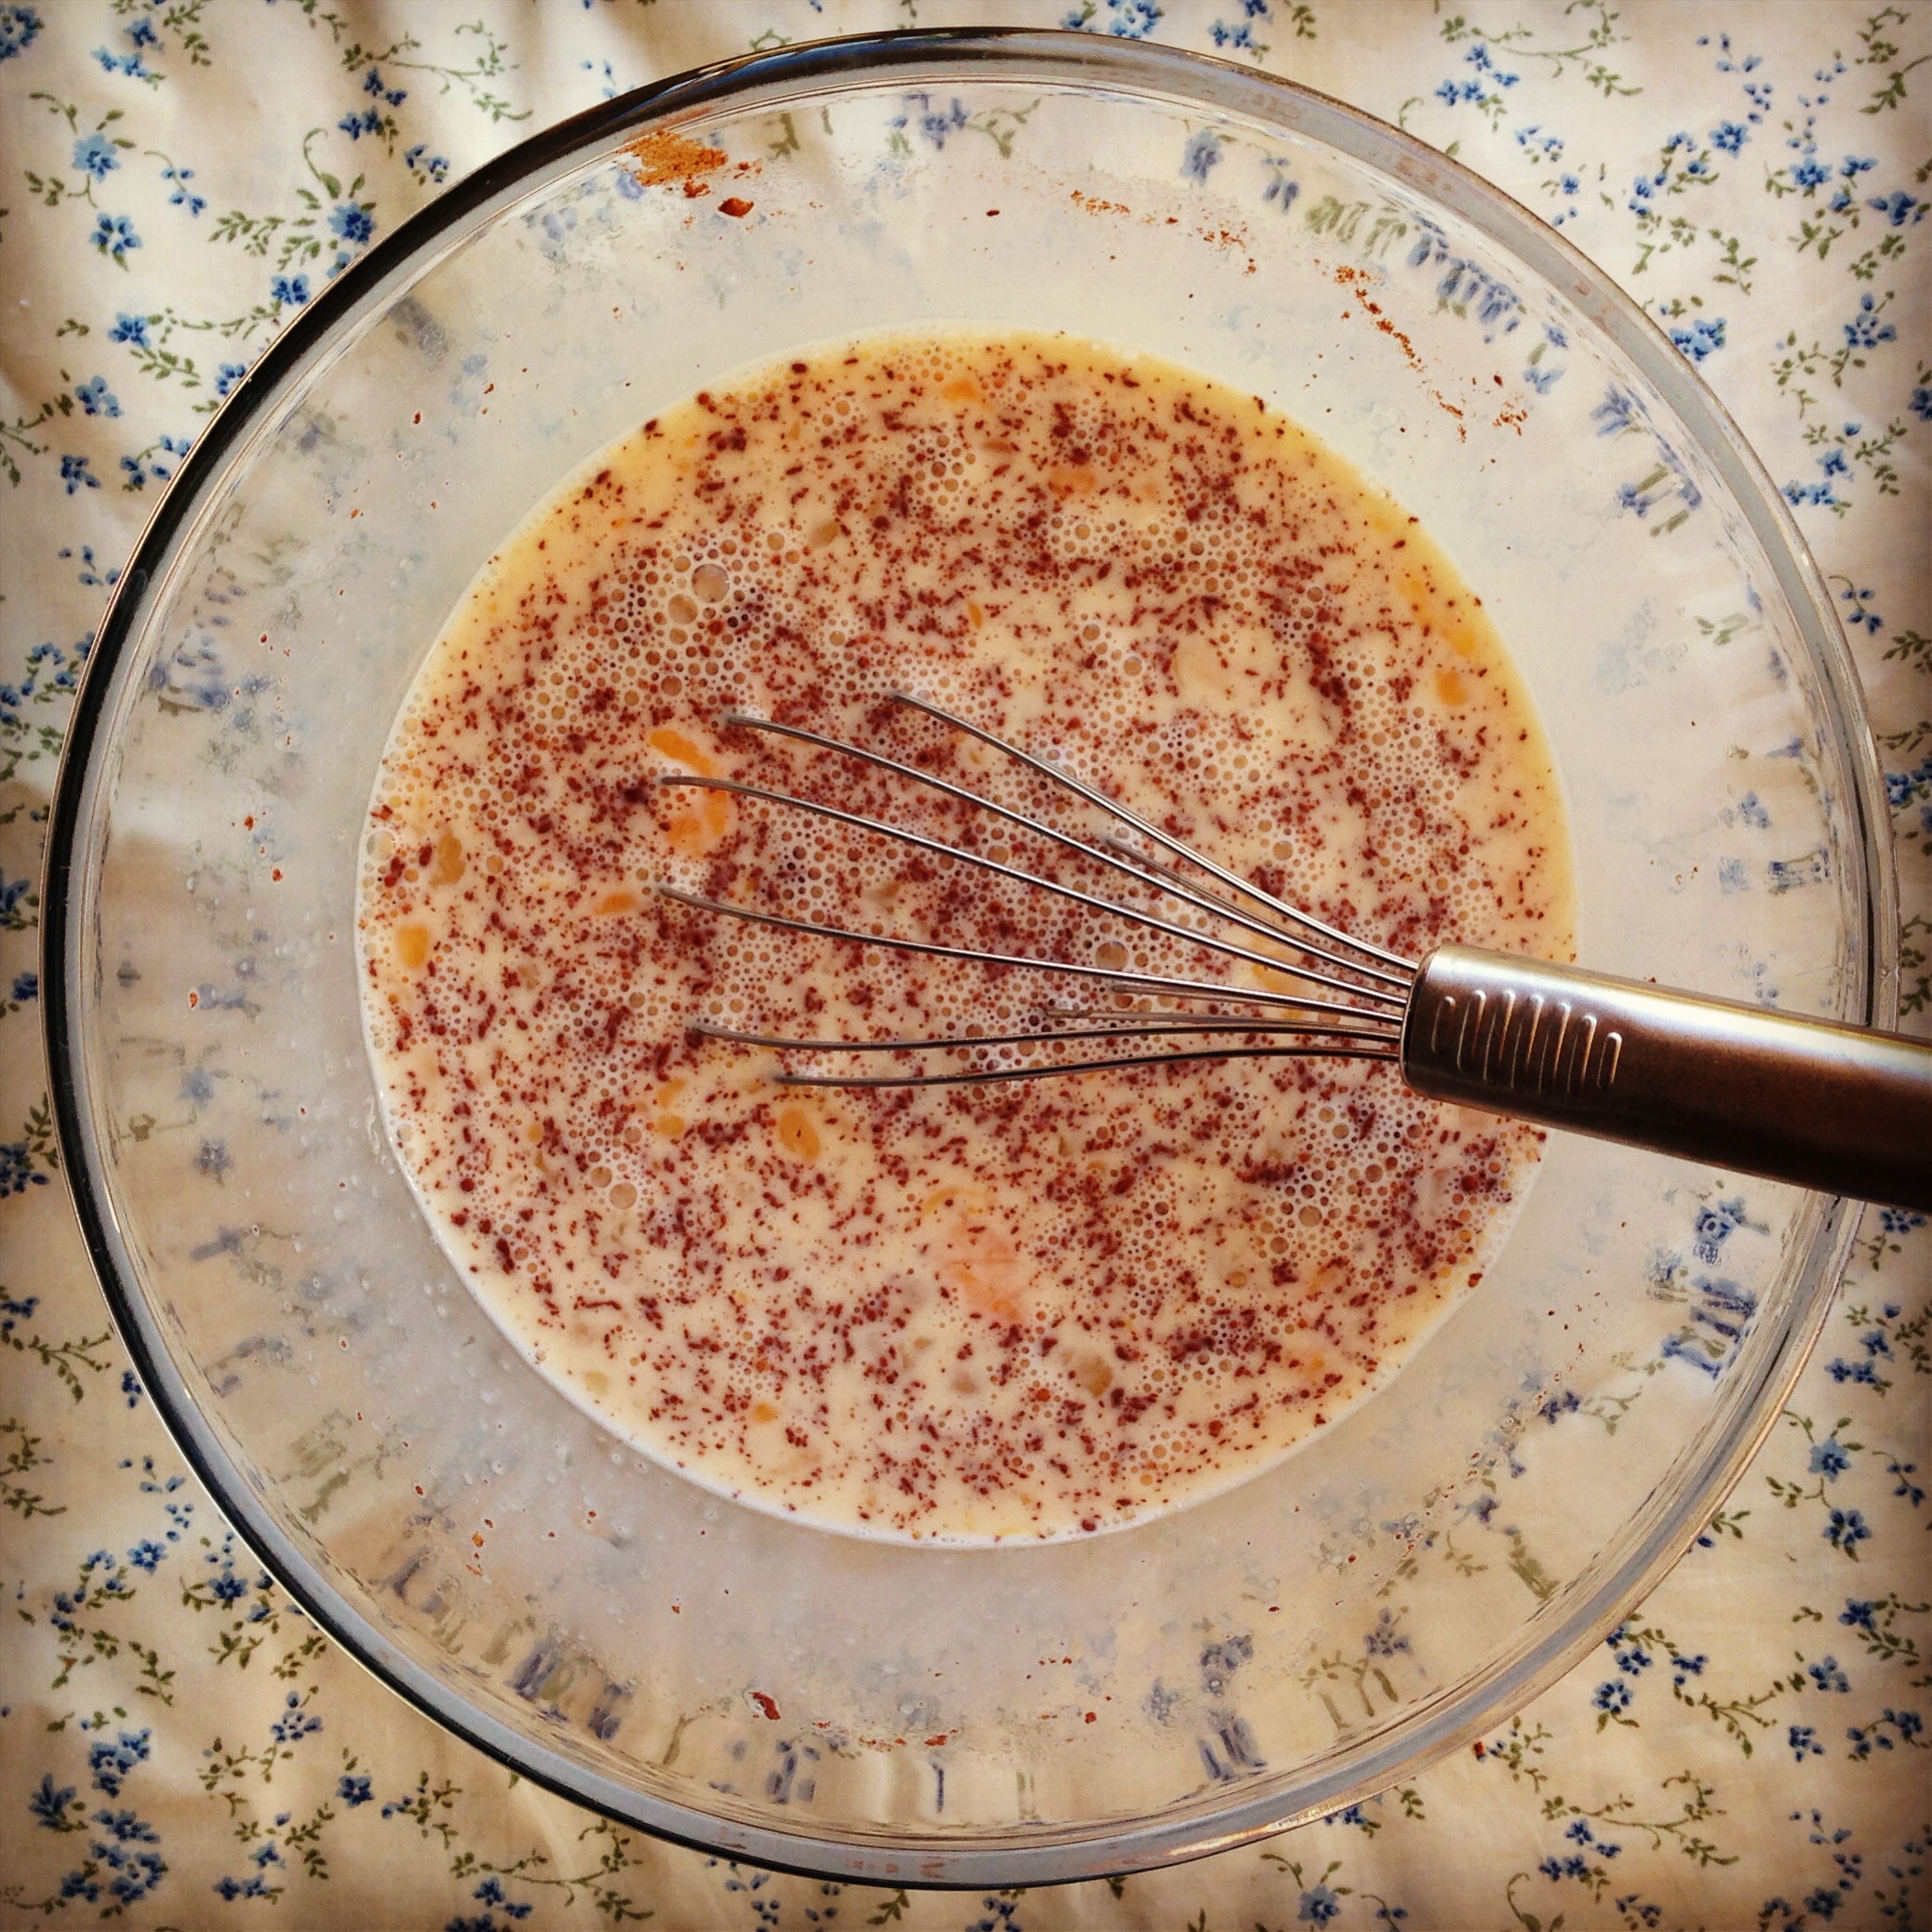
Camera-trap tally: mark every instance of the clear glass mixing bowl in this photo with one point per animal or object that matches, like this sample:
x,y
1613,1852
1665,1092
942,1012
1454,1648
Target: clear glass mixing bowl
x,y
858,1709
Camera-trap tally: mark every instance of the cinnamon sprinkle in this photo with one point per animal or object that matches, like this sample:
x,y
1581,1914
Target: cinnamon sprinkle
x,y
1037,1309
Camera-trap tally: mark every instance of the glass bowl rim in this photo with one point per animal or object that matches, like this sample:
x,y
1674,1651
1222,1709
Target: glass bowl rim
x,y
1070,59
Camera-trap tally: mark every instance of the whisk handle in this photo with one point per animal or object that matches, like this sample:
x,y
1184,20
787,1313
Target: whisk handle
x,y
1843,1110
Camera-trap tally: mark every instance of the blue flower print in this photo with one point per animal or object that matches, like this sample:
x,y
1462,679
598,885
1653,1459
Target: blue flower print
x,y
436,168
1385,1640
373,83
1861,612
1127,19
1704,334
354,1790
184,196
1865,1738
1239,38
125,1827
111,1763
294,1724
19,25
1811,493
1319,1905
136,1873
937,123
234,1888
1617,414
1907,1488
49,1806
1829,1459
290,290
132,330
96,398
113,235
26,985
132,65
352,221
1898,207
1729,137
228,375
1611,1697
17,1172
228,1589
1548,149
492,1893
1804,1742
1282,188
1201,156
1847,1530
63,678
1478,57
75,473
1826,1674
94,155
1715,1225
130,1388
1863,332
136,470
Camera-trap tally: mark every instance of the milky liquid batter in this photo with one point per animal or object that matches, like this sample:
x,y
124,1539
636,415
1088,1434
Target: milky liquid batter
x,y
1018,1311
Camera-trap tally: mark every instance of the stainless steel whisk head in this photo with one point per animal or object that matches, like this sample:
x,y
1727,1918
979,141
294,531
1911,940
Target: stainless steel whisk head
x,y
1357,1014
1846,1110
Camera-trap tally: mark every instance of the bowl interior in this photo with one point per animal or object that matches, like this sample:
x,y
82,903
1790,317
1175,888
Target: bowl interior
x,y
860,1707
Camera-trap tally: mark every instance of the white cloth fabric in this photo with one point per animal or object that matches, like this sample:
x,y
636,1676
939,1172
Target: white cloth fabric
x,y
178,1744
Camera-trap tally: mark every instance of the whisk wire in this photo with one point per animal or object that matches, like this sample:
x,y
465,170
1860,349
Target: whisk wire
x,y
940,849
1107,851
1246,888
994,1076
1155,1027
1136,982
1300,1026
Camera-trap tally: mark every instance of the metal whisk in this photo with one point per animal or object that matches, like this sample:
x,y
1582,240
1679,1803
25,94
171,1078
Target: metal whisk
x,y
1845,1109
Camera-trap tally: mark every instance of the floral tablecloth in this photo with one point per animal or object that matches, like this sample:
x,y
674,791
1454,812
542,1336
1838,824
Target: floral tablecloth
x,y
178,1746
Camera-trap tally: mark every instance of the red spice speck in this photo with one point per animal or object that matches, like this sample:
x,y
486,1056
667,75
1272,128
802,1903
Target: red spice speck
x,y
1151,576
